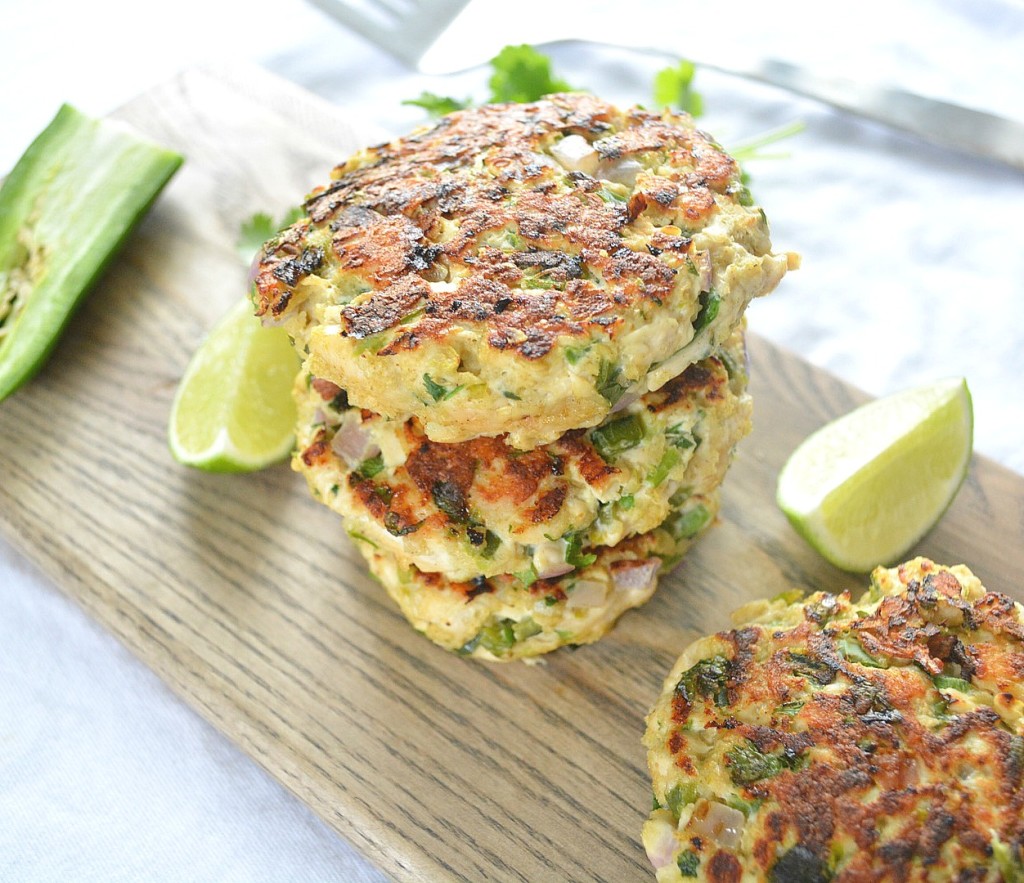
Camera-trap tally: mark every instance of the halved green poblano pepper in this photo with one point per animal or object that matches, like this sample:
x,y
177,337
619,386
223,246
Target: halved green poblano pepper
x,y
65,209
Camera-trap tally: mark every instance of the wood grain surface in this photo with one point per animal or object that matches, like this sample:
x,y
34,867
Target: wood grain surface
x,y
246,597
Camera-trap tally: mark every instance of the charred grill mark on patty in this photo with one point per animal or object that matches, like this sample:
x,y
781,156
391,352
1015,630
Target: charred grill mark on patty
x,y
396,209
318,451
592,467
698,379
385,309
548,506
885,746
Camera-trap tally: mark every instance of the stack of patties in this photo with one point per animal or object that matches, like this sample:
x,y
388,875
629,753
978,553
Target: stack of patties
x,y
524,371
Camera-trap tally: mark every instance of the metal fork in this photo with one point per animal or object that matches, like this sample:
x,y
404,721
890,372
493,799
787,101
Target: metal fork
x,y
412,30
403,28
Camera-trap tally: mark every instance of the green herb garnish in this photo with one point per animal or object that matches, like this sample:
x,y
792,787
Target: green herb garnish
x,y
491,544
574,551
669,461
688,862
258,228
617,436
850,649
363,539
673,87
518,74
748,764
790,708
822,673
800,865
681,795
709,679
710,303
679,437
521,73
438,105
370,467
499,636
946,682
527,577
686,525
607,382
373,343
574,353
449,498
395,525
438,392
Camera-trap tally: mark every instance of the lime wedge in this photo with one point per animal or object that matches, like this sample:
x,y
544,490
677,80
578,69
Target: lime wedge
x,y
233,410
863,489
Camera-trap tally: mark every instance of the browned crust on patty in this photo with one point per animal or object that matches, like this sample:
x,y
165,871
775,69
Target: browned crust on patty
x,y
387,215
866,742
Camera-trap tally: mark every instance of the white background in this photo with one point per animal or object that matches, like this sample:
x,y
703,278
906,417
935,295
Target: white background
x,y
913,270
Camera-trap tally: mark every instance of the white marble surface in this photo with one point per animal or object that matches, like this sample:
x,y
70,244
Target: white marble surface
x,y
913,269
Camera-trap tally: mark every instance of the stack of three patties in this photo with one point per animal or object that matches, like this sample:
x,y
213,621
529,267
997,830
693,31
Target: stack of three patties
x,y
524,375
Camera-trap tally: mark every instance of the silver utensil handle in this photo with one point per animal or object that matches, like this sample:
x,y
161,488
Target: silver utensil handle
x,y
975,132
939,122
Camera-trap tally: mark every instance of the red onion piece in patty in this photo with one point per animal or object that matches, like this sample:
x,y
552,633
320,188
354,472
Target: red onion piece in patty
x,y
627,399
587,593
722,825
557,569
662,846
353,443
632,576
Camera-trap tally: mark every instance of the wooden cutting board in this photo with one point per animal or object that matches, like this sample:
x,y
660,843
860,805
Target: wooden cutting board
x,y
246,597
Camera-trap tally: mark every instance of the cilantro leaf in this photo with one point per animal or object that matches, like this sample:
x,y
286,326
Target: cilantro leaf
x,y
438,105
518,74
574,551
260,227
438,392
522,74
673,87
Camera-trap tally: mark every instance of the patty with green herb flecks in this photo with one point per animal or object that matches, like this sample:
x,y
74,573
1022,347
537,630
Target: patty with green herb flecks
x,y
518,269
481,507
518,616
826,740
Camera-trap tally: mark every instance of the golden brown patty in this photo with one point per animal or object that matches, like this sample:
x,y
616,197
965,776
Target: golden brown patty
x,y
823,740
481,507
519,268
517,617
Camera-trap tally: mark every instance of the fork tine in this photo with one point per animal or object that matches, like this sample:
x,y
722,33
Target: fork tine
x,y
403,28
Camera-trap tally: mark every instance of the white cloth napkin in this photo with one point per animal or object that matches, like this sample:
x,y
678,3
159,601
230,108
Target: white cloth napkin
x,y
913,269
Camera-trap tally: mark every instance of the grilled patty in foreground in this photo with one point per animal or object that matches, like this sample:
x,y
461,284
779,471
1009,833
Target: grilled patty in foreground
x,y
519,268
510,616
826,740
481,507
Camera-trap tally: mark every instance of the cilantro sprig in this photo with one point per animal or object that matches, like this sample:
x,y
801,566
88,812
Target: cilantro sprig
x,y
438,105
673,87
518,74
522,74
260,227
